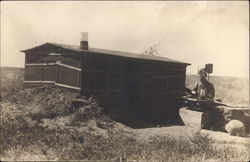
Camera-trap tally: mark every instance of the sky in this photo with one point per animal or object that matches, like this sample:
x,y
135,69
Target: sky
x,y
196,32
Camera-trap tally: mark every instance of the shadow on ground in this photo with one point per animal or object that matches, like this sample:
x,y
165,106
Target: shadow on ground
x,y
137,121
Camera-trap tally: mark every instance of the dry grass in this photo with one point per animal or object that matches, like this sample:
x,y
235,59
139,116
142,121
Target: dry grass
x,y
79,139
41,124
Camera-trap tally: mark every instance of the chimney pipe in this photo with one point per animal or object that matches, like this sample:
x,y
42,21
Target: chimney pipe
x,y
84,41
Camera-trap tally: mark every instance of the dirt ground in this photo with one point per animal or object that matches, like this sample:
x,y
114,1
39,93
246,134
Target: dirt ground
x,y
142,135
220,138
10,111
185,131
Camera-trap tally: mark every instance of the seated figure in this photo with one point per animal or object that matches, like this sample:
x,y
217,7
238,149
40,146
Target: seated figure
x,y
203,94
204,90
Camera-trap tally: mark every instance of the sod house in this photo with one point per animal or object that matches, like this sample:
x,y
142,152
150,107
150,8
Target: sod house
x,y
129,83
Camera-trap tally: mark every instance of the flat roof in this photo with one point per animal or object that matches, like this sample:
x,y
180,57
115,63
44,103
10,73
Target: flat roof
x,y
107,52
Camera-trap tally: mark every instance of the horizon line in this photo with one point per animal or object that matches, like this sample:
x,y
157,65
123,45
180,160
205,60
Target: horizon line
x,y
246,77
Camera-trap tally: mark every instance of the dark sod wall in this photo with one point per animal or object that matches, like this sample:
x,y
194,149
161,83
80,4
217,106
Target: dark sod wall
x,y
139,89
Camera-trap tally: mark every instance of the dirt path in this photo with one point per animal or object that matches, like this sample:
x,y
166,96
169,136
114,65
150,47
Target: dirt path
x,y
184,131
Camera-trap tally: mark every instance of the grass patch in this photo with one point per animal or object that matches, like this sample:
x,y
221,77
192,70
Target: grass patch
x,y
79,141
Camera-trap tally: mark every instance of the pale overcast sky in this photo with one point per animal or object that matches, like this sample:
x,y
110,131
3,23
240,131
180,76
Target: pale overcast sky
x,y
197,32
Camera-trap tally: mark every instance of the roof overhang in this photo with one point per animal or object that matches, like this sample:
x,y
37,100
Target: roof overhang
x,y
107,52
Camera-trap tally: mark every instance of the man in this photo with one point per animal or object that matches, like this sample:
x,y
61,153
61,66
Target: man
x,y
204,90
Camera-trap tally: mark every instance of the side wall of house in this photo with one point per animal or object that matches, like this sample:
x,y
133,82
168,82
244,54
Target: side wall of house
x,y
143,89
163,84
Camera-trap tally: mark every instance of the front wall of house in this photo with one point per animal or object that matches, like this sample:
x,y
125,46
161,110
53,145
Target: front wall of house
x,y
49,72
68,76
48,67
45,57
33,73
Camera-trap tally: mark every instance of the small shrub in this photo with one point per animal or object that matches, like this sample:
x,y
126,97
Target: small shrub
x,y
202,142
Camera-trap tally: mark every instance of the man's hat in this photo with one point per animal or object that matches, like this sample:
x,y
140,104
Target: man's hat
x,y
202,71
